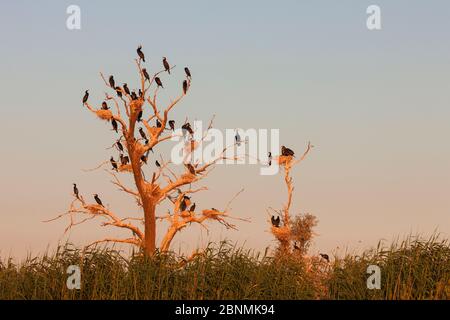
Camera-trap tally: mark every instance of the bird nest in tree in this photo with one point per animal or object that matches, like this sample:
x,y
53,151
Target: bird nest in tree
x,y
94,208
126,167
136,105
104,114
153,189
282,233
188,177
284,160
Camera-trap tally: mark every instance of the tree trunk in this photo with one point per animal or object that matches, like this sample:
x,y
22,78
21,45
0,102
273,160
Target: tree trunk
x,y
150,227
148,203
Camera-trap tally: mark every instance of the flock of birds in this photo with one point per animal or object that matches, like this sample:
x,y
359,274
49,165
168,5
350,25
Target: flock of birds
x,y
134,96
124,159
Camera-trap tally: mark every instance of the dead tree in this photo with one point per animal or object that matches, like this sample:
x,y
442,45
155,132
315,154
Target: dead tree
x,y
165,184
292,233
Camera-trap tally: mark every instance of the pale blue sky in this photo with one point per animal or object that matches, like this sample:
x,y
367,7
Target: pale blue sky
x,y
375,103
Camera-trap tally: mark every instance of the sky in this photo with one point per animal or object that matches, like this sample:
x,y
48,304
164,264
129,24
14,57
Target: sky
x,y
375,104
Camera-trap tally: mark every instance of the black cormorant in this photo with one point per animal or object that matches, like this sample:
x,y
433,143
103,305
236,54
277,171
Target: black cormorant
x,y
166,65
158,82
114,125
172,124
112,83
188,72
142,133
140,53
286,152
119,92
146,75
113,163
275,221
97,199
125,88
187,126
75,190
119,145
86,96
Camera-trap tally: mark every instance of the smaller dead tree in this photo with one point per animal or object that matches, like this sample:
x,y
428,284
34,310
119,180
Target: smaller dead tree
x,y
293,234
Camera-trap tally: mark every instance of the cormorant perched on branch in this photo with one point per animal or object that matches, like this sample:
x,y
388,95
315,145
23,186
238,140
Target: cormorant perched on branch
x,y
185,86
270,158
139,117
286,152
187,126
187,200
75,190
144,158
119,92
112,83
114,125
104,105
119,145
172,124
142,133
192,208
140,53
275,221
166,65
325,256
86,96
183,205
113,163
125,88
157,164
146,75
191,168
158,124
124,159
97,199
158,82
188,72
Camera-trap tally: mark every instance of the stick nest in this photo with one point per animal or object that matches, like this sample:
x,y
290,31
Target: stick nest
x,y
136,105
104,114
283,234
285,160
